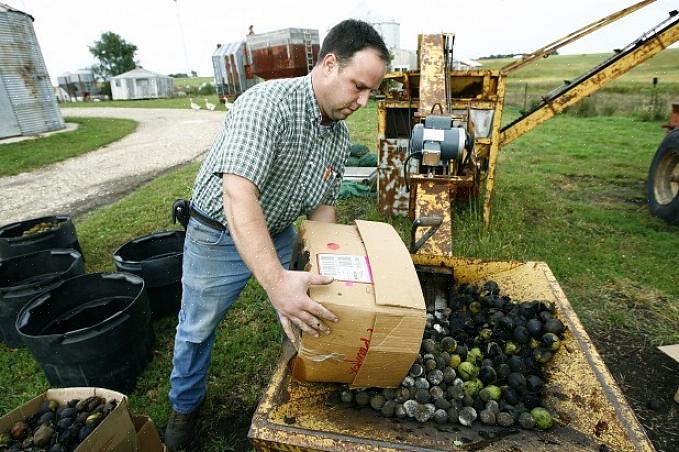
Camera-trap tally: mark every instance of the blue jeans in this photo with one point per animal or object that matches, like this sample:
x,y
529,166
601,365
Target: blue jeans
x,y
213,276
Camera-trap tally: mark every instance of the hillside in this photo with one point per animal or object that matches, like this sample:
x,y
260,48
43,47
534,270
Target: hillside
x,y
557,68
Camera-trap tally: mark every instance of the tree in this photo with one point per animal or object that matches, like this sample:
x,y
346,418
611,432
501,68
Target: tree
x,y
115,55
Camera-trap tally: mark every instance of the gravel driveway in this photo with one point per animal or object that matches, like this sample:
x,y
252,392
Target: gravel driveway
x,y
165,138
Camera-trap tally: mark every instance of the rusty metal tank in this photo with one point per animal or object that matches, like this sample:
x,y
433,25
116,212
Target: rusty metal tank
x,y
27,102
290,52
589,409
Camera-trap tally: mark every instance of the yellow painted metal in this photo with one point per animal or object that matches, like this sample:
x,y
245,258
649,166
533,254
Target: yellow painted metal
x,y
432,75
494,151
583,88
549,49
459,93
434,199
589,409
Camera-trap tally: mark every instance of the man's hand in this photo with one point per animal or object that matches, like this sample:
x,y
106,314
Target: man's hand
x,y
288,295
287,290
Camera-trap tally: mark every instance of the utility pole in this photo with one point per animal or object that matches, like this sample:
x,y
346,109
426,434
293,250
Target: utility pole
x,y
181,33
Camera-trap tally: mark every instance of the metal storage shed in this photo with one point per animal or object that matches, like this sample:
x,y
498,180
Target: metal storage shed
x,y
141,84
27,102
231,76
79,85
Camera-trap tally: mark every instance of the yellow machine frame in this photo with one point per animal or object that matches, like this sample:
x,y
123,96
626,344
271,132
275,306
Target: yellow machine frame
x,y
475,100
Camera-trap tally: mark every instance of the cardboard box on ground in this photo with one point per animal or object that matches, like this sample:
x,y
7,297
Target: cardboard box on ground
x,y
673,352
118,432
148,439
115,433
377,296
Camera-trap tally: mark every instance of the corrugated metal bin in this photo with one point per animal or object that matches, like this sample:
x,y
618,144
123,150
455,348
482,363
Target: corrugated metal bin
x,y
589,409
232,74
27,102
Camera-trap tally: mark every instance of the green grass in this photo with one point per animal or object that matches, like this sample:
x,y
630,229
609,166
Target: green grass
x,y
172,102
556,68
633,94
570,193
363,126
92,133
193,82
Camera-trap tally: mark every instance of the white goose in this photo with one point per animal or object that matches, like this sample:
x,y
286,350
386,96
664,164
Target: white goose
x,y
209,106
227,104
194,106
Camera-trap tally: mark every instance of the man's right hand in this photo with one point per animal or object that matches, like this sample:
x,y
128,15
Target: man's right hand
x,y
288,295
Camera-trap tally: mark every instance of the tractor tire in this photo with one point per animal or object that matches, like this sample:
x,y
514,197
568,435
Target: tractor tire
x,y
662,185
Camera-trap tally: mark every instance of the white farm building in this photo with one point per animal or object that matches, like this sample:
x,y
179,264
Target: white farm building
x,y
141,84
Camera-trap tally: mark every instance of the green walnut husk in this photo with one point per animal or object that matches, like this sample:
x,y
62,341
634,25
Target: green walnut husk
x,y
472,387
467,371
490,392
455,361
543,420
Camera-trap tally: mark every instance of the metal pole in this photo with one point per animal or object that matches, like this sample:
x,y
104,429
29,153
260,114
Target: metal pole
x,y
181,33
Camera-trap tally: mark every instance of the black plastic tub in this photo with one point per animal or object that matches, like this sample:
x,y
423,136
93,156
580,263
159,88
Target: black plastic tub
x,y
157,258
16,239
25,277
90,330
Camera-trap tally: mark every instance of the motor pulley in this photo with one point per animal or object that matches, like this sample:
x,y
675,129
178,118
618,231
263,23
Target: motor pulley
x,y
437,142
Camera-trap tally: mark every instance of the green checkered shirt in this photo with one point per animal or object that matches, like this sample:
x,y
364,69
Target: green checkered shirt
x,y
273,136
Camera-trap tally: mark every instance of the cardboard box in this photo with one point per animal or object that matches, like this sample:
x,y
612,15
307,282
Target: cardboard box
x,y
147,435
673,352
115,433
377,296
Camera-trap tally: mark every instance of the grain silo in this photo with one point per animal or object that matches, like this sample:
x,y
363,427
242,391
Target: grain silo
x,y
390,32
27,102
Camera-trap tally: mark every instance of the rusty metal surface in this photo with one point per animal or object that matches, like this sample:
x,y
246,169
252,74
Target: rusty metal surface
x,y
493,154
432,75
27,102
673,122
281,61
434,199
473,93
589,409
392,193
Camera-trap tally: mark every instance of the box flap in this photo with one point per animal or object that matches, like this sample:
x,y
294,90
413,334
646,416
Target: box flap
x,y
330,238
147,435
390,262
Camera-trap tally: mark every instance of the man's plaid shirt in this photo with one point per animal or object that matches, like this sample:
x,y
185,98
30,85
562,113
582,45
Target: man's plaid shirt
x,y
273,136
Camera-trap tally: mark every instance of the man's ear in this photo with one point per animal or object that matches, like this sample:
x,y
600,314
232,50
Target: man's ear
x,y
329,62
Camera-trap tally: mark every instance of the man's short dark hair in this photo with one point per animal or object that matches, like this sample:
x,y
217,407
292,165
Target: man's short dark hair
x,y
350,36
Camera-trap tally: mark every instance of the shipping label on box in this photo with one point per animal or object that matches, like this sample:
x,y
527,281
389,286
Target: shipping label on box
x,y
377,296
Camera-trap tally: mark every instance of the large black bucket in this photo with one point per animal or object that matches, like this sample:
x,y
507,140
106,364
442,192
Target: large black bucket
x,y
38,234
90,330
25,277
158,259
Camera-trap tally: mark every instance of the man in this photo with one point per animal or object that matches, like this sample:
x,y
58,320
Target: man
x,y
280,153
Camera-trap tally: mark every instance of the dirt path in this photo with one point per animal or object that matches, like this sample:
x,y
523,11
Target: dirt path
x,y
165,138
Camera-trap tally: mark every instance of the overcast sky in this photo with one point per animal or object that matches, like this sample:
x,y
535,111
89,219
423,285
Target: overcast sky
x,y
66,28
